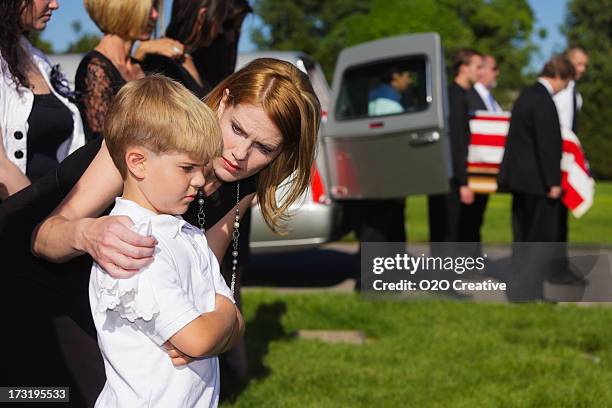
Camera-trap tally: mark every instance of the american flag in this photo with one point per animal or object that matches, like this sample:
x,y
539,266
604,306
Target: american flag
x,y
486,150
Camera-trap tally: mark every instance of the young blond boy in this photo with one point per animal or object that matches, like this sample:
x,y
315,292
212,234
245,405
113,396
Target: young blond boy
x,y
161,138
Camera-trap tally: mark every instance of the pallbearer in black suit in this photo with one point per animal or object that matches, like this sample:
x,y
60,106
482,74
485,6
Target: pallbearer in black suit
x,y
531,171
445,210
479,98
569,104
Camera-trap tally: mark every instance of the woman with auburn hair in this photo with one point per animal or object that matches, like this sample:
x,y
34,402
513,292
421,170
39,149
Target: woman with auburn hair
x,y
269,117
39,125
105,69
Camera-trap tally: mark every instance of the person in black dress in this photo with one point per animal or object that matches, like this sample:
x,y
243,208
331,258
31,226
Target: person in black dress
x,y
86,183
194,24
39,125
105,69
531,171
217,61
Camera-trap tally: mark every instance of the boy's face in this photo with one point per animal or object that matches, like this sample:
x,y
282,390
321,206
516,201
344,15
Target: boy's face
x,y
171,181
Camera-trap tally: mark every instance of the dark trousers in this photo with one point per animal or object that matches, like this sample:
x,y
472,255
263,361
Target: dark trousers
x,y
452,221
536,218
377,220
471,218
535,256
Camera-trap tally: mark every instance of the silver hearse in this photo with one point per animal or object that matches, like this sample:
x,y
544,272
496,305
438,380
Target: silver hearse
x,y
373,143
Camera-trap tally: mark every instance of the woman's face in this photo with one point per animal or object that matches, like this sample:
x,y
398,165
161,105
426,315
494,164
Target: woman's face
x,y
37,14
153,16
251,141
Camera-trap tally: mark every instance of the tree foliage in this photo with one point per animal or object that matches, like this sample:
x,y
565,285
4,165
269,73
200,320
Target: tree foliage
x,y
322,28
84,43
589,24
38,42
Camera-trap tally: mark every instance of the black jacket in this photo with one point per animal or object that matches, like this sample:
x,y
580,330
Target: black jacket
x,y
532,158
474,100
459,131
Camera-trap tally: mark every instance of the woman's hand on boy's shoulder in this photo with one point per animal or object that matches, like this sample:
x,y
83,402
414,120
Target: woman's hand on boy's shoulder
x,y
116,248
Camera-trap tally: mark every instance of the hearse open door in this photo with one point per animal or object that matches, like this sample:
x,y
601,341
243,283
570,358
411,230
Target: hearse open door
x,y
385,134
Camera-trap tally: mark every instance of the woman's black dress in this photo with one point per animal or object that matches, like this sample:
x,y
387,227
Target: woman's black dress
x,y
49,125
158,64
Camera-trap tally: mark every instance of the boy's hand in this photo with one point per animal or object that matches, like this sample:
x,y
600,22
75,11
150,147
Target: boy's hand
x,y
178,359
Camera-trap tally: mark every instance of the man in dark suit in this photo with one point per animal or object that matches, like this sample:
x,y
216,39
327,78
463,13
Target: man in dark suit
x,y
445,210
479,98
531,171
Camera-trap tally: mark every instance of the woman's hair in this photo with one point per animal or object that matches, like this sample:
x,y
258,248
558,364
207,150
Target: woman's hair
x,y
558,66
161,115
287,97
184,18
10,31
125,18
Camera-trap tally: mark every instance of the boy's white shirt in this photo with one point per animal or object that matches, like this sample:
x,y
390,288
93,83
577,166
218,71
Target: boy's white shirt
x,y
135,317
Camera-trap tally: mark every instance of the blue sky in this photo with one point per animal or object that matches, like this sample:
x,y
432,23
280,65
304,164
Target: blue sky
x,y
549,15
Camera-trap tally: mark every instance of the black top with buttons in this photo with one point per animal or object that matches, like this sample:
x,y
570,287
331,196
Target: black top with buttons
x,y
50,124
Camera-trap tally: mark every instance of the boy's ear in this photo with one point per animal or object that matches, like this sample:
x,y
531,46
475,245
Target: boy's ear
x,y
223,103
135,159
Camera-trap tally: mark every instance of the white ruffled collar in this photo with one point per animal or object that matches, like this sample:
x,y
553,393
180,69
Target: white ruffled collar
x,y
166,224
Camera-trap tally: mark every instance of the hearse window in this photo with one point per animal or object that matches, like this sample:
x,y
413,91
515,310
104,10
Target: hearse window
x,y
389,87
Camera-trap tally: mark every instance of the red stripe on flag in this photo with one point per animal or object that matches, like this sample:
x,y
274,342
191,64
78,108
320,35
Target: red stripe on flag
x,y
571,198
488,165
493,118
488,140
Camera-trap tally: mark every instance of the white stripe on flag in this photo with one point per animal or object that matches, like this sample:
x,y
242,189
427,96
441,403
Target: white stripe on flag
x,y
489,127
581,182
485,154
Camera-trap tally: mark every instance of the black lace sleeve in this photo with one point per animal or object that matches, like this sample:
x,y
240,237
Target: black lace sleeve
x,y
96,82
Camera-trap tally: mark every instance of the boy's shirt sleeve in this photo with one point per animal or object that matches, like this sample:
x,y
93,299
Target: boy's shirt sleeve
x,y
153,299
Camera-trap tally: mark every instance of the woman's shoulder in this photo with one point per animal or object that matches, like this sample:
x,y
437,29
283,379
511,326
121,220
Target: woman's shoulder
x,y
95,61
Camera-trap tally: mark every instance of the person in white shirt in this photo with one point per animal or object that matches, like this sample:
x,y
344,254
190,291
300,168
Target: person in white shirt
x,y
480,98
569,100
180,300
39,125
486,83
569,103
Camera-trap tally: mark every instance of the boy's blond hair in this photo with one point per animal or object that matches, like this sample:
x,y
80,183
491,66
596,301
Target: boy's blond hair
x,y
125,18
163,116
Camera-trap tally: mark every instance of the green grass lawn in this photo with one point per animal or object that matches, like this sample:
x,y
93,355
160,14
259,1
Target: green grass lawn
x,y
594,227
425,354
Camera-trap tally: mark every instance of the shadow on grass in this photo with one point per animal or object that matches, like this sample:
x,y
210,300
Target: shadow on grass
x,y
309,268
262,329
